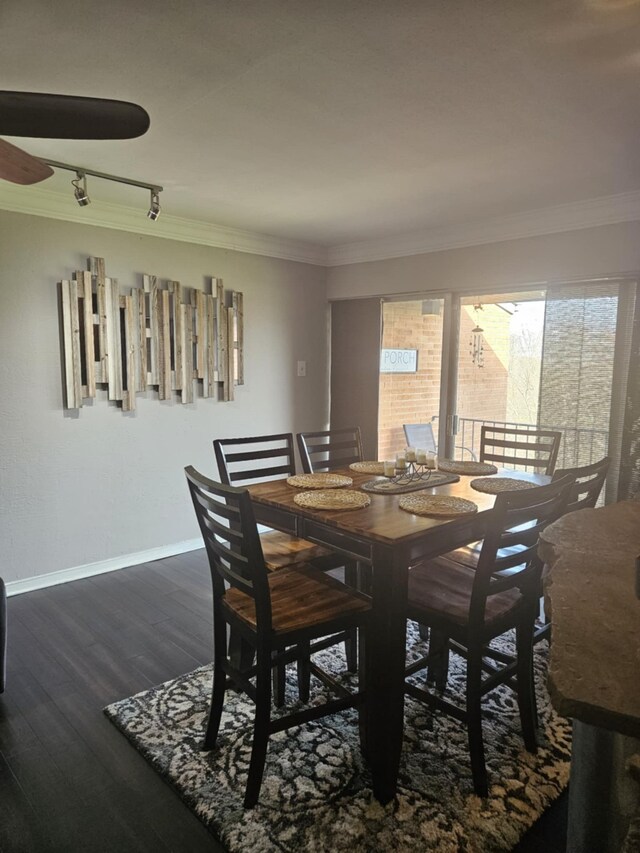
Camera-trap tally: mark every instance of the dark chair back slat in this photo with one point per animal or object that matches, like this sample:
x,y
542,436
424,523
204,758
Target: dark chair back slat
x,y
236,455
509,557
529,448
228,526
589,480
329,449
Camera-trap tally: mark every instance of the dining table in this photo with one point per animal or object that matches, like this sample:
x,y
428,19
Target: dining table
x,y
390,540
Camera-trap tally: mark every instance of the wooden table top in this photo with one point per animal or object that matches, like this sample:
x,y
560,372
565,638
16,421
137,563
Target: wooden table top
x,y
383,520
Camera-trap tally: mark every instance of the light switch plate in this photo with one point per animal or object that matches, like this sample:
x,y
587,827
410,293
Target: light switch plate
x,y
302,368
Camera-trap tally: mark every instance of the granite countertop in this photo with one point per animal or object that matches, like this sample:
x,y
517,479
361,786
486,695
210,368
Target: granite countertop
x,y
594,666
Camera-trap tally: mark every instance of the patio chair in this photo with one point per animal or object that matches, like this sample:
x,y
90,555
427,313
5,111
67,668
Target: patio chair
x,y
469,607
422,435
512,447
279,614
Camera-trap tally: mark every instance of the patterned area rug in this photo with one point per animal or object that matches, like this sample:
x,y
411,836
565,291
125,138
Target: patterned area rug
x,y
316,793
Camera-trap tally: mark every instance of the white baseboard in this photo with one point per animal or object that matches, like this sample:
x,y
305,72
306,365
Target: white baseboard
x,y
99,568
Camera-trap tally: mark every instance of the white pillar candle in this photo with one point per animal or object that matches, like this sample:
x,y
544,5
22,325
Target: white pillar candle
x,y
411,454
389,468
401,462
431,461
421,456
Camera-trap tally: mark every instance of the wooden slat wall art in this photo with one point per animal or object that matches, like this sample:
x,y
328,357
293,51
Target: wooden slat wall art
x,y
173,338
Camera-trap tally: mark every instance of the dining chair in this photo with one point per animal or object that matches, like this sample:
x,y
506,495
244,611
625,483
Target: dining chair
x,y
329,449
253,459
589,480
276,612
466,608
510,447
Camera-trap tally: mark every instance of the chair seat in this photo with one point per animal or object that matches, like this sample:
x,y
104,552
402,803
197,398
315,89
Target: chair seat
x,y
281,550
301,598
441,589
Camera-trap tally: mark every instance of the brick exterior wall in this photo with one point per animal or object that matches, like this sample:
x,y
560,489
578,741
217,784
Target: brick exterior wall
x,y
415,397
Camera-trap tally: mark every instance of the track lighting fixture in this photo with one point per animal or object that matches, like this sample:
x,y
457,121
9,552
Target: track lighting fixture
x,y
154,209
80,192
80,185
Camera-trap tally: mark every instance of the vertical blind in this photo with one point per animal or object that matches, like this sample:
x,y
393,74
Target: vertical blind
x,y
585,361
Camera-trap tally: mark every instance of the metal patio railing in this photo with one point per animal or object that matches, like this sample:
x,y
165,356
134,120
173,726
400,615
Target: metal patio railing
x,y
579,446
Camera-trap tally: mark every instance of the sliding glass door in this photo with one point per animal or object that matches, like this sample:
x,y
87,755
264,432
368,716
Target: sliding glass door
x,y
498,361
554,357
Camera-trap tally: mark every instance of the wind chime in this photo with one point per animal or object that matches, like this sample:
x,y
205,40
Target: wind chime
x,y
476,342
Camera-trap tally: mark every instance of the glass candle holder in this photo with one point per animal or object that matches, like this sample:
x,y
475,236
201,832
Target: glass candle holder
x,y
410,454
401,462
389,468
421,456
431,461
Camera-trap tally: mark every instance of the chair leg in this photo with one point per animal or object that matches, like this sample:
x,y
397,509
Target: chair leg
x,y
474,722
260,729
423,631
351,642
241,653
217,692
526,690
438,660
304,670
279,676
362,680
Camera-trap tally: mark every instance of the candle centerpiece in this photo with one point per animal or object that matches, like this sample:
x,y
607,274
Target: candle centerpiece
x,y
411,465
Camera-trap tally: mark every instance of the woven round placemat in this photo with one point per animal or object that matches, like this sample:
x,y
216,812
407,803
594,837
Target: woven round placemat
x,y
367,467
437,505
468,466
344,499
495,485
319,481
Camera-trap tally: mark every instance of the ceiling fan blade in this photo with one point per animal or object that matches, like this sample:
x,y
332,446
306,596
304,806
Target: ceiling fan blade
x,y
69,117
19,167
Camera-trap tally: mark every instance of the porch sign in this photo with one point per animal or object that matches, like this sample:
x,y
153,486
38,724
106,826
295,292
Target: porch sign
x,y
399,361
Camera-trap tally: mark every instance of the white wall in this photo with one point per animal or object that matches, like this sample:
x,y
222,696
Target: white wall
x,y
587,253
101,485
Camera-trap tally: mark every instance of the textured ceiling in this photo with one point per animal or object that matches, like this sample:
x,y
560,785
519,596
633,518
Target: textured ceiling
x,y
333,121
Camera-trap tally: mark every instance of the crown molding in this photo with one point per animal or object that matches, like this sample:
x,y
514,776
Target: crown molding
x,y
607,210
55,205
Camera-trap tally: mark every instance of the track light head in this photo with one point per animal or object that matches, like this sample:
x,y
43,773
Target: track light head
x,y
80,192
154,209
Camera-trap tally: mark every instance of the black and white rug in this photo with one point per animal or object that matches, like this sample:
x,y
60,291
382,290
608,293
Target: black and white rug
x,y
316,793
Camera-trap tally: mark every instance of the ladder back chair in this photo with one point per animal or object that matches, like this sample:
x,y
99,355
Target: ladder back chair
x,y
242,461
253,459
469,607
329,449
274,611
584,494
589,480
515,448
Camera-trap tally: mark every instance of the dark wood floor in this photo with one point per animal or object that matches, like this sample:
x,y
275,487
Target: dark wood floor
x,y
69,781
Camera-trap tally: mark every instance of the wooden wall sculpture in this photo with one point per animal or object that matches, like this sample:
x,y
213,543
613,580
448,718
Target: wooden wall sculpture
x,y
167,337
